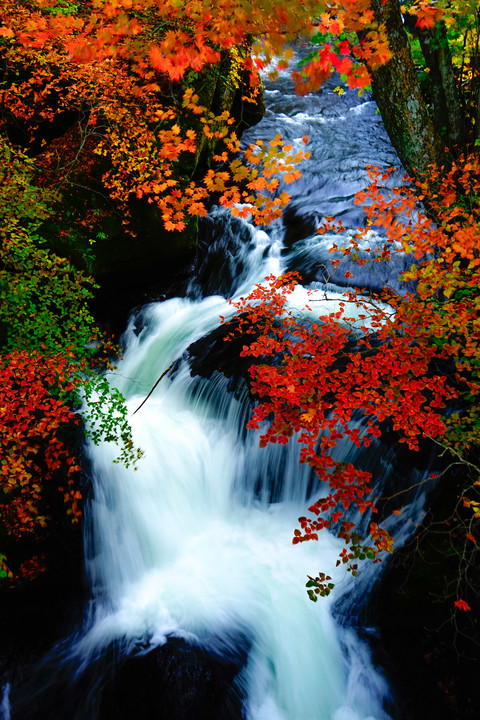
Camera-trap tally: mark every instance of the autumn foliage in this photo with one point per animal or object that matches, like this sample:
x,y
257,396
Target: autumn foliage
x,y
136,76
115,97
33,416
397,359
112,98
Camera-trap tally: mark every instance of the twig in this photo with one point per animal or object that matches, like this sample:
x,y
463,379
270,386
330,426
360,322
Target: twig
x,y
153,388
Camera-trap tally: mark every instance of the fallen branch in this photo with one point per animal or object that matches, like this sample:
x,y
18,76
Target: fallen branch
x,y
153,388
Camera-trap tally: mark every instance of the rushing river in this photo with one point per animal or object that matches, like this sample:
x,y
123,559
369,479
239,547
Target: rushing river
x,y
196,543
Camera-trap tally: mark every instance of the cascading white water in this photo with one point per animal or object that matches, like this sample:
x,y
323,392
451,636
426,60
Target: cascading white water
x,y
5,704
196,543
188,545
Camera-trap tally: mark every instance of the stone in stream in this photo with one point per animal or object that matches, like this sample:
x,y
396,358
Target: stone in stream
x,y
176,681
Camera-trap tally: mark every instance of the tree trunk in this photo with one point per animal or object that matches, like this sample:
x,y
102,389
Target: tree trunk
x,y
447,103
400,101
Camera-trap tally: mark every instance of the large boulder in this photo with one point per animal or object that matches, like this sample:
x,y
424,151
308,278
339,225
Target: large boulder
x,y
177,681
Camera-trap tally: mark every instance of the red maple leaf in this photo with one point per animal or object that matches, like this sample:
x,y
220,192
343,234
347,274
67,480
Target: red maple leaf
x,y
462,605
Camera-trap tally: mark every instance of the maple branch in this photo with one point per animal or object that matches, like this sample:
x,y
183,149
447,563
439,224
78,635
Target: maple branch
x,y
410,487
454,451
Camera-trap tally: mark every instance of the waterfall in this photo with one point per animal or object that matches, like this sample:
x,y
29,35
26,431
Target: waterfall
x,y
5,704
191,545
195,543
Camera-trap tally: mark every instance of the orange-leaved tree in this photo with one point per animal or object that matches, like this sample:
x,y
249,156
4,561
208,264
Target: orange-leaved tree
x,y
396,358
139,84
136,80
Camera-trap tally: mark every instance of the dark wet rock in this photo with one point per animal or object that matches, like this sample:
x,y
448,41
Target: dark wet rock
x,y
298,225
218,261
214,352
176,681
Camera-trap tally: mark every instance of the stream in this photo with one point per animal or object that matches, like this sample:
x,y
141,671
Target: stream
x,y
189,557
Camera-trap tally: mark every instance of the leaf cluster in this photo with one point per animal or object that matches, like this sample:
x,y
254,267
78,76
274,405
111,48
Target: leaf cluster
x,y
399,359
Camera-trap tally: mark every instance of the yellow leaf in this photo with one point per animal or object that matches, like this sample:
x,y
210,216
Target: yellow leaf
x,y
308,416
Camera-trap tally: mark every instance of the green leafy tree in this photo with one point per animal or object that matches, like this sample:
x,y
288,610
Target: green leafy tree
x,y
51,354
